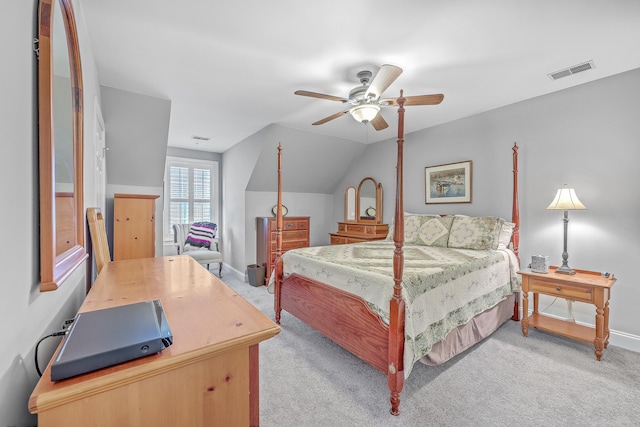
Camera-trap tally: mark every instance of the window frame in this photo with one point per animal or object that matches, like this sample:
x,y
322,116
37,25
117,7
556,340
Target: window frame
x,y
214,167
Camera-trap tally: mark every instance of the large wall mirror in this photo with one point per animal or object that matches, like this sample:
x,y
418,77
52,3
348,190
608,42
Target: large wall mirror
x,y
61,142
369,201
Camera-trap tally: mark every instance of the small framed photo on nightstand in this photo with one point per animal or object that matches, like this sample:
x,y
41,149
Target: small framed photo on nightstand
x,y
539,263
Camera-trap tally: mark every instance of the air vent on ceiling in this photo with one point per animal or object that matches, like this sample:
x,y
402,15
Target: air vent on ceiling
x,y
572,70
200,138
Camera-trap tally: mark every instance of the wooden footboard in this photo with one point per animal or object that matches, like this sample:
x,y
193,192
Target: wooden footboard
x,y
342,317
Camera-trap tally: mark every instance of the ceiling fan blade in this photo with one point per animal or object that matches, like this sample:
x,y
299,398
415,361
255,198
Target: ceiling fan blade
x,y
434,99
320,95
379,122
328,119
386,75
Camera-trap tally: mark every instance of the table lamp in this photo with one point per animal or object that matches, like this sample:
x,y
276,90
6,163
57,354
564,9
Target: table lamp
x,y
566,200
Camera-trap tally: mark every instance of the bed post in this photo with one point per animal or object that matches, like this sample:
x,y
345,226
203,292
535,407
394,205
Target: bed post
x,y
278,263
515,218
515,214
395,374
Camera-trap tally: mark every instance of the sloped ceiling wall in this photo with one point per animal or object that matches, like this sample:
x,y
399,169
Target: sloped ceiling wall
x,y
331,158
137,132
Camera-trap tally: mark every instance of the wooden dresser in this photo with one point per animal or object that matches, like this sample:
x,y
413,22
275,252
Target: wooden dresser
x,y
352,232
134,226
362,214
209,376
295,234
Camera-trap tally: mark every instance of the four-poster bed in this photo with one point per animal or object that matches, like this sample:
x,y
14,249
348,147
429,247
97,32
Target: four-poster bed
x,y
370,316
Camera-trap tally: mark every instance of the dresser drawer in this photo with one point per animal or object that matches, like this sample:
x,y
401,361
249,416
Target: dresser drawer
x,y
286,245
338,240
357,228
345,227
365,231
561,290
289,224
294,235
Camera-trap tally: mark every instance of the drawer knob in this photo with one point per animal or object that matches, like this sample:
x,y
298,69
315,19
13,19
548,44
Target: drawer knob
x,y
558,288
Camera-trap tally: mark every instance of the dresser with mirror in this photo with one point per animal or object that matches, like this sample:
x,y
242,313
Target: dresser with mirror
x,y
362,214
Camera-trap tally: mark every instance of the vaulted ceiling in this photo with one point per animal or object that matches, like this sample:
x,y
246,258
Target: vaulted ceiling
x,y
231,68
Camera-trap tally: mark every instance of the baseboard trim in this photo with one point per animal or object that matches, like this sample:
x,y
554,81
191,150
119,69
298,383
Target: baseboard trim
x,y
625,340
227,269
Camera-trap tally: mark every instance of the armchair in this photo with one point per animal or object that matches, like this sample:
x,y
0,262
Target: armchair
x,y
204,255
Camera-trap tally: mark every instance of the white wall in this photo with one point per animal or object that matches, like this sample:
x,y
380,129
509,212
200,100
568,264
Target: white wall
x,y
237,165
26,313
137,132
329,156
586,137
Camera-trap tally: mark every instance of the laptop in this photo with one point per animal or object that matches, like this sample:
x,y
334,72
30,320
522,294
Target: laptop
x,y
101,338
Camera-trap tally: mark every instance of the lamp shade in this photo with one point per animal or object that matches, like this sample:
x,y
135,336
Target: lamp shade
x,y
566,200
365,112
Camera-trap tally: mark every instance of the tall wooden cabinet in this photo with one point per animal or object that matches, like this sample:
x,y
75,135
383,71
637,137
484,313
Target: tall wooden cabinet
x,y
134,226
295,234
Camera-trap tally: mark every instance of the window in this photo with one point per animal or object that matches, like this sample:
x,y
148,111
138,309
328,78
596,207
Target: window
x,y
191,192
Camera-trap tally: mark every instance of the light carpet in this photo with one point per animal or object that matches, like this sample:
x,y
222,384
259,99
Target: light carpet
x,y
506,380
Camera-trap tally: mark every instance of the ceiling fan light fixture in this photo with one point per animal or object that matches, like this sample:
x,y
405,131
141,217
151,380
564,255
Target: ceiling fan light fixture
x,y
364,113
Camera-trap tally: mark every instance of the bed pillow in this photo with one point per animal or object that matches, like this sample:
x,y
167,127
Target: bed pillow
x,y
468,232
201,234
506,231
391,226
431,230
425,230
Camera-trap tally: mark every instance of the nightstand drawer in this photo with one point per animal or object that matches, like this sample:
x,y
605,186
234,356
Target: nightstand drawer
x,y
561,290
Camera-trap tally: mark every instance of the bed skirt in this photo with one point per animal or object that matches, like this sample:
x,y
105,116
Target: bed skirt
x,y
472,332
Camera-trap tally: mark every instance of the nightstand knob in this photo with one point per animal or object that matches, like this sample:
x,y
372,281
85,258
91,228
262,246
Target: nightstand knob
x,y
558,289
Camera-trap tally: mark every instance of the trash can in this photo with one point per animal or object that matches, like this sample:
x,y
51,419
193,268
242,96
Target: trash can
x,y
256,274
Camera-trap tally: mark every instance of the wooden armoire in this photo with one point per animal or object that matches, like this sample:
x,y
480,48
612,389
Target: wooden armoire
x,y
134,226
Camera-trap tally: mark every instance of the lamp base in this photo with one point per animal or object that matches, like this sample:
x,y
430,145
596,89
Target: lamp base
x,y
565,269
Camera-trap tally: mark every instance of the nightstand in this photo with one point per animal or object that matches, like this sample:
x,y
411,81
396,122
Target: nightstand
x,y
584,286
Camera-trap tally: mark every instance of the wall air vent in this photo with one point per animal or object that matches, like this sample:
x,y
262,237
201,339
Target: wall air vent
x,y
200,138
572,70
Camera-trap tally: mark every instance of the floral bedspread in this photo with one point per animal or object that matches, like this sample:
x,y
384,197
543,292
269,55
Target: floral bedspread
x,y
443,287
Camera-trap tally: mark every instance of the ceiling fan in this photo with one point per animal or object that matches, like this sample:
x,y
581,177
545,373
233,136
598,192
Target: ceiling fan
x,y
365,100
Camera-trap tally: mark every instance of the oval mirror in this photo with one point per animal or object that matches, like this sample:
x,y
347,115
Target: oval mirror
x,y
60,154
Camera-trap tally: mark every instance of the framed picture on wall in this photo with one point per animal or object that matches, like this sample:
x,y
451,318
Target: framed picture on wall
x,y
450,183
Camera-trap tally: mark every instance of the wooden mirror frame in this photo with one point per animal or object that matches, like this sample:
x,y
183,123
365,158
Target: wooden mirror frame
x,y
378,204
56,267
